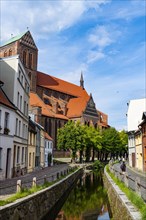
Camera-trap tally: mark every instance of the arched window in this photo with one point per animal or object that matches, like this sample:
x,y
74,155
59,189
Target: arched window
x,y
5,54
30,61
29,75
24,57
30,78
10,52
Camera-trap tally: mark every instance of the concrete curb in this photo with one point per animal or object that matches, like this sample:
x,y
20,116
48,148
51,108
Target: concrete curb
x,y
132,211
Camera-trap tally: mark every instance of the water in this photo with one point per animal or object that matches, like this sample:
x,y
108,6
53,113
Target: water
x,y
87,200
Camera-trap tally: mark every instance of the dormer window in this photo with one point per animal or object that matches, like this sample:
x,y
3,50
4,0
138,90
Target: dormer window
x,y
10,52
5,54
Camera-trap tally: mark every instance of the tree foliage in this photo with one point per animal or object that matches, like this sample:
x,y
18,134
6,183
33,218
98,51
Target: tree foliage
x,y
90,141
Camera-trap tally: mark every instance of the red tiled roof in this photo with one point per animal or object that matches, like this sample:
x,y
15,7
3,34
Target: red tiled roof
x,y
35,100
4,100
48,136
60,85
76,106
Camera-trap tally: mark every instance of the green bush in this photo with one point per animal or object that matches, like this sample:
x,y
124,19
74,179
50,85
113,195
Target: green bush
x,y
97,165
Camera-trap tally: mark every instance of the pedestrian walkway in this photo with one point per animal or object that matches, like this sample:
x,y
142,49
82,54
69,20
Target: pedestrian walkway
x,y
8,186
136,180
132,172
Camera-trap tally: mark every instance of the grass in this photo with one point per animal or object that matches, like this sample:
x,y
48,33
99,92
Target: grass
x,y
135,199
25,192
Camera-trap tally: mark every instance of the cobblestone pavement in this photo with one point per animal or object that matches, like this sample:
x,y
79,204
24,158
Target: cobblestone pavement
x,y
8,186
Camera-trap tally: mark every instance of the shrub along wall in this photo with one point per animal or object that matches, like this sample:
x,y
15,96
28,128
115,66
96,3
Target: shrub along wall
x,y
37,205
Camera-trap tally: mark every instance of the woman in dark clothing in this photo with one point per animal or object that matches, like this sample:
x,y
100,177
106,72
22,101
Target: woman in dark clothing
x,y
123,166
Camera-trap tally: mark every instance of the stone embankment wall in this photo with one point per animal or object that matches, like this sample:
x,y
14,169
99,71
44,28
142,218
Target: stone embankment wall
x,y
37,205
121,207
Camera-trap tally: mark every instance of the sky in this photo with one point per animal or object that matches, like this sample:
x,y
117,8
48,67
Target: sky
x,y
103,39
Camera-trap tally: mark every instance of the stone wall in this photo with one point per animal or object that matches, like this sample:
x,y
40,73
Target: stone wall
x,y
120,206
37,205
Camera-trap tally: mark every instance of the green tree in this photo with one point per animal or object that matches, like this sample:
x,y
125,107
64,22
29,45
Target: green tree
x,y
124,143
93,141
110,143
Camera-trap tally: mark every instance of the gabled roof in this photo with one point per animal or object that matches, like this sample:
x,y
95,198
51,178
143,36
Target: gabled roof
x,y
60,85
25,38
15,38
76,106
5,101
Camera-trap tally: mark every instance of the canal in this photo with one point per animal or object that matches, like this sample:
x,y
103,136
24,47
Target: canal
x,y
87,200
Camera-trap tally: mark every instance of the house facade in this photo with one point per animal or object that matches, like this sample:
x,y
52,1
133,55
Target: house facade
x,y
7,130
31,146
138,150
142,127
48,150
16,87
135,110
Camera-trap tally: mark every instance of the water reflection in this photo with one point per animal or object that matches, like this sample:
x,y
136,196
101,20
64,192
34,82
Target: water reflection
x,y
87,201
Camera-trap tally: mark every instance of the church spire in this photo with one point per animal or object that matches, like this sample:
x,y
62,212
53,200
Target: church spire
x,y
82,81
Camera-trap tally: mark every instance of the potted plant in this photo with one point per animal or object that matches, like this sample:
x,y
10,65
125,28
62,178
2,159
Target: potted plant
x,y
6,130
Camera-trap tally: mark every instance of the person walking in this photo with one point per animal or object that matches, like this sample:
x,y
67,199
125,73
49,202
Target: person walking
x,y
123,166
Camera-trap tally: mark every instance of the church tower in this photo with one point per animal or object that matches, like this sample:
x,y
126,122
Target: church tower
x,y
24,46
82,81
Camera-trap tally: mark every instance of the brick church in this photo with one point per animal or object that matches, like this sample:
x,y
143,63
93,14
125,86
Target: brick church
x,y
53,101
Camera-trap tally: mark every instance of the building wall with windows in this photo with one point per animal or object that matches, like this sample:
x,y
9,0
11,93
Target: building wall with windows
x,y
48,150
7,130
138,150
131,149
31,146
23,45
17,87
134,118
42,148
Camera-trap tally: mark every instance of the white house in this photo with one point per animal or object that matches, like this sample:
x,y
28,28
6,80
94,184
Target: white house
x,y
16,86
48,150
134,117
7,116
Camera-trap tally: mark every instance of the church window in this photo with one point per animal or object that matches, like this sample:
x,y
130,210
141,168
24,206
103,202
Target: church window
x,y
46,101
10,52
29,75
5,53
24,58
30,61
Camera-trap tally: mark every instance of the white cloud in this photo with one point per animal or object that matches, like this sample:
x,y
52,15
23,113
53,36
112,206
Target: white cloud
x,y
95,56
43,16
100,37
133,9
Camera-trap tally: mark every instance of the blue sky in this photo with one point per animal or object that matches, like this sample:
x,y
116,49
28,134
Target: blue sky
x,y
105,39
